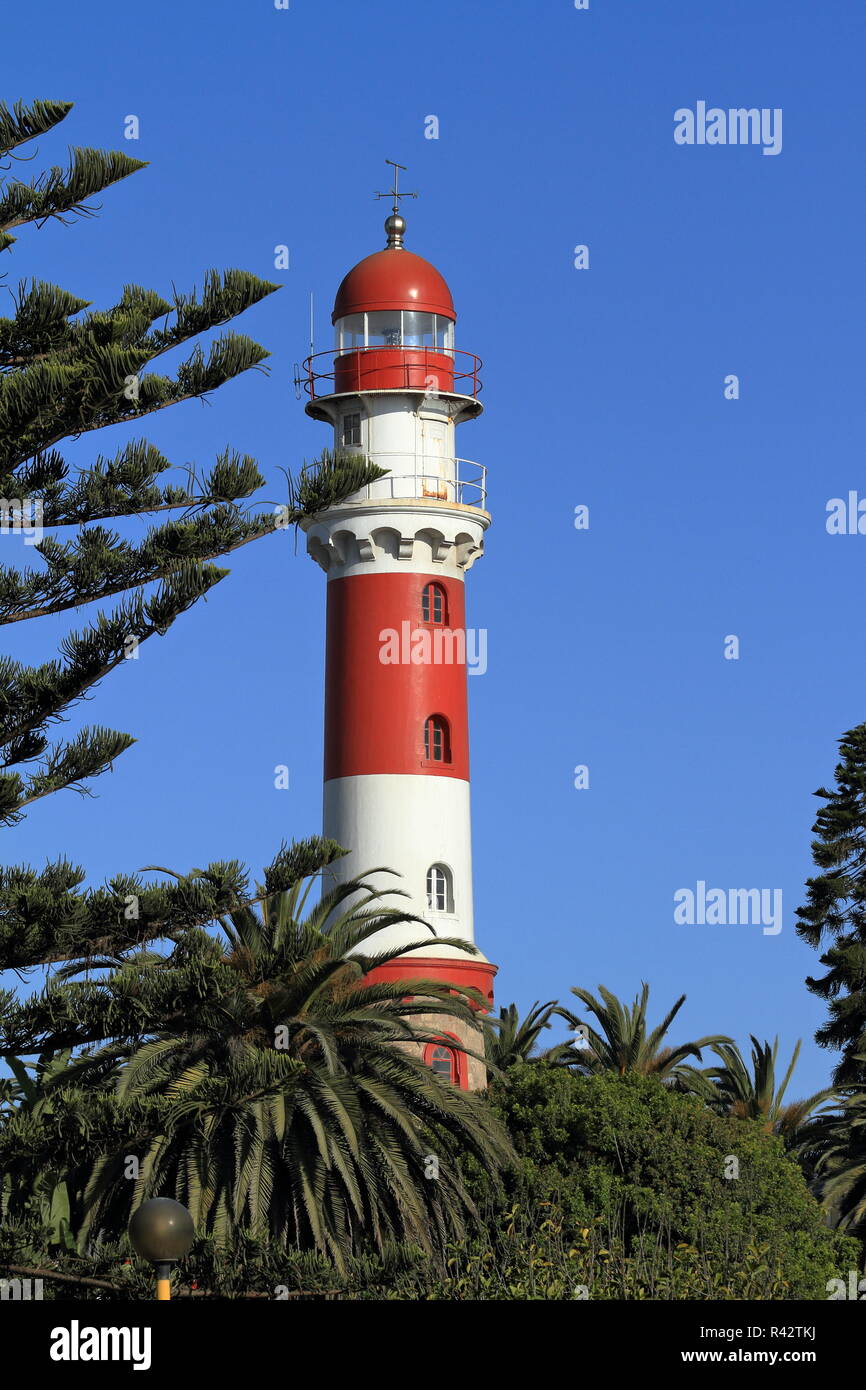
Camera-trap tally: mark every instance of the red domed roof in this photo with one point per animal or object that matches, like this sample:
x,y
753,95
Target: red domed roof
x,y
393,279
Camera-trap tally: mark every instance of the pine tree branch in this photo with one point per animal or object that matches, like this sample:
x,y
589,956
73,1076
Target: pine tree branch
x,y
68,766
62,194
32,697
45,919
53,399
40,324
99,565
21,123
124,485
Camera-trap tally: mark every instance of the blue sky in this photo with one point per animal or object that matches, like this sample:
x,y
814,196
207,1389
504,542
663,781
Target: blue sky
x,y
603,387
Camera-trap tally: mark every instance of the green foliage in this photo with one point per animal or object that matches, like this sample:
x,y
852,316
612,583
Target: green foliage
x,y
261,1079
31,1093
330,480
622,1044
48,917
833,1148
21,123
654,1162
65,370
528,1258
531,1259
56,192
249,1267
509,1039
834,915
756,1094
620,1194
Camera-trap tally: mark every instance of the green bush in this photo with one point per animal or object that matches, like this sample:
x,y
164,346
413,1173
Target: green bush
x,y
248,1267
655,1170
530,1260
620,1193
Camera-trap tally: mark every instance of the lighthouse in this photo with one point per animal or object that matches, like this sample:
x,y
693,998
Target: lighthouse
x,y
393,389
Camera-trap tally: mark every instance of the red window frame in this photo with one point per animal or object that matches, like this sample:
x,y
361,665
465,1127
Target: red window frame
x,y
437,734
459,1075
433,598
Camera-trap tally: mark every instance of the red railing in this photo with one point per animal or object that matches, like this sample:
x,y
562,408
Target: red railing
x,y
434,370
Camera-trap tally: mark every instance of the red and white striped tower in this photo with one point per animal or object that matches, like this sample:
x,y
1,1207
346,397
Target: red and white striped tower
x,y
396,791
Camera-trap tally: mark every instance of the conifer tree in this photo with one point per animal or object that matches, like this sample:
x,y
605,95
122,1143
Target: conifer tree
x,y
834,916
66,370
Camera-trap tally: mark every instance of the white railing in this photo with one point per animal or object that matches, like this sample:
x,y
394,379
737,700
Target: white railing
x,y
429,478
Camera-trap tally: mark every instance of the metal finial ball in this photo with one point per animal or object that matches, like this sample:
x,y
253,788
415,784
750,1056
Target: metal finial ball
x,y
161,1229
395,226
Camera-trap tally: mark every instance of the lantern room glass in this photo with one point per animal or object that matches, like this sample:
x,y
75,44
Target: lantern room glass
x,y
395,328
351,332
384,328
418,328
444,329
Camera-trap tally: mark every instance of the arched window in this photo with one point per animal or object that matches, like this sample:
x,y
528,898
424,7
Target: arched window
x,y
434,605
442,1061
437,739
440,892
447,1060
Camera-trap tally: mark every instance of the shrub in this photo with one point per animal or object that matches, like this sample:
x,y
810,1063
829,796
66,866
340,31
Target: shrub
x,y
655,1170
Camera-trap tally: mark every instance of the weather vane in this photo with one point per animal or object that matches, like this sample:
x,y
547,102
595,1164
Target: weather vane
x,y
394,192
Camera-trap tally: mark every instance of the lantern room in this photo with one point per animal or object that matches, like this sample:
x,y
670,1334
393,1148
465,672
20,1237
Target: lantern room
x,y
394,322
395,385
394,330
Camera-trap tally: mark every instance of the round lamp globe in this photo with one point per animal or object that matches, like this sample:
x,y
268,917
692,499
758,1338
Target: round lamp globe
x,y
161,1229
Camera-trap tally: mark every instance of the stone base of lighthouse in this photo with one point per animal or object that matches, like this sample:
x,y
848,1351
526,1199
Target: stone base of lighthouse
x,y
469,1072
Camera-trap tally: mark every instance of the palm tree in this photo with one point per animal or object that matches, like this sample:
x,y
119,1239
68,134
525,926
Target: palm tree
x,y
840,1172
31,1093
509,1039
833,1149
298,1105
734,1089
621,1042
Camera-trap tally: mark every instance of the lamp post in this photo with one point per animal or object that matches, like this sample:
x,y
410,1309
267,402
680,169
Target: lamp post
x,y
161,1231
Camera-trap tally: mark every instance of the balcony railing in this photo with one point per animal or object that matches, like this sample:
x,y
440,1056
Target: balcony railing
x,y
387,368
423,477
